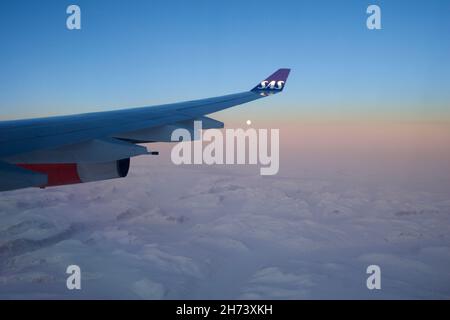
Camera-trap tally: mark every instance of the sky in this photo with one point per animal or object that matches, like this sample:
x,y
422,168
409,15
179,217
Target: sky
x,y
136,53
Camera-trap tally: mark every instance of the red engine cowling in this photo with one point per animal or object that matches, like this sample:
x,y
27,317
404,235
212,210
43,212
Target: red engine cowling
x,y
71,173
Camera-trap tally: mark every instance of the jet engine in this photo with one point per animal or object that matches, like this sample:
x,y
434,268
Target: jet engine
x,y
71,173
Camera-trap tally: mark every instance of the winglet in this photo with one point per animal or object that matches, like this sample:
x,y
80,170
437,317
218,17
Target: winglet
x,y
273,84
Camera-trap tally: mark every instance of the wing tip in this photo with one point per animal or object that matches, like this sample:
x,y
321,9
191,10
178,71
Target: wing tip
x,y
274,83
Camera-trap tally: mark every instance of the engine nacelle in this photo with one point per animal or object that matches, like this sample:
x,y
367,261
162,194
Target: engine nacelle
x,y
70,173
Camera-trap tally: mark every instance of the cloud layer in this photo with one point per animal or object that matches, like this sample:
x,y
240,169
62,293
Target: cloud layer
x,y
168,232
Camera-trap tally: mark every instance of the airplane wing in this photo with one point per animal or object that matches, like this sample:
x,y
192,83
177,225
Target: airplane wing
x,y
95,146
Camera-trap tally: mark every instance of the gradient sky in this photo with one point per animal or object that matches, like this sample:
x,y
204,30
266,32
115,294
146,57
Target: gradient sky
x,y
133,53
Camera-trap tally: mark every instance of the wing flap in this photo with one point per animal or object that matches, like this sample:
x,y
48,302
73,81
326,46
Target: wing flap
x,y
164,133
97,150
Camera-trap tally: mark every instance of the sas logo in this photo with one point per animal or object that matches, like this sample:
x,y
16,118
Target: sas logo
x,y
271,85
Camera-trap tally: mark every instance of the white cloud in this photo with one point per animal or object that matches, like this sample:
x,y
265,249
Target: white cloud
x,y
187,232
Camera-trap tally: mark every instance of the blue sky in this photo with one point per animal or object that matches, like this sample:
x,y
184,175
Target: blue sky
x,y
132,53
